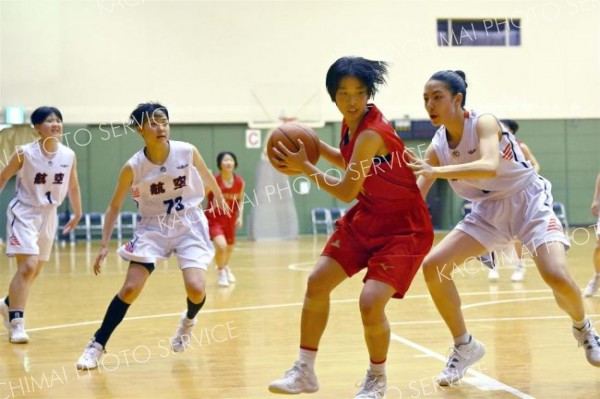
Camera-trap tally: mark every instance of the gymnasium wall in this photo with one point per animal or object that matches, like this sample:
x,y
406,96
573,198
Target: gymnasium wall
x,y
566,149
96,58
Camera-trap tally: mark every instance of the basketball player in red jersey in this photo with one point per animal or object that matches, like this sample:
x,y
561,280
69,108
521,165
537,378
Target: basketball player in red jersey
x,y
388,231
222,227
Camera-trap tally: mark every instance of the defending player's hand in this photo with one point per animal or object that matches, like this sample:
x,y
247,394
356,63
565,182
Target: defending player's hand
x,y
99,259
239,223
291,160
418,165
70,226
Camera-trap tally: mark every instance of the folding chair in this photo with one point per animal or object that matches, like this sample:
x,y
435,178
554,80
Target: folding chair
x,y
335,213
95,223
126,220
63,219
321,217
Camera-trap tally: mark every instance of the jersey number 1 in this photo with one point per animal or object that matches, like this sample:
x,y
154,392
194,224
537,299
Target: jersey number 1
x,y
48,196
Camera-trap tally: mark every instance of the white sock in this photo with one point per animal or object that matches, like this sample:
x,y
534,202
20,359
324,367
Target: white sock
x,y
308,357
377,368
580,324
463,339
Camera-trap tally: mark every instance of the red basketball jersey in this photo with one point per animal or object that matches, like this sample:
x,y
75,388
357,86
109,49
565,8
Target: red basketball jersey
x,y
230,194
389,182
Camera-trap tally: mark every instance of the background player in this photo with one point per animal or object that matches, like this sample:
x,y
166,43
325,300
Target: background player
x,y
221,226
388,231
46,171
166,181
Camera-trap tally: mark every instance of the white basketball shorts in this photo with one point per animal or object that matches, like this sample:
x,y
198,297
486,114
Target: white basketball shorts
x,y
526,216
184,234
30,230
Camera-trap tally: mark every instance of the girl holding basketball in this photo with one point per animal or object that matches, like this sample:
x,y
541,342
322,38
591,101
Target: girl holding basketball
x,y
388,231
222,227
510,201
46,172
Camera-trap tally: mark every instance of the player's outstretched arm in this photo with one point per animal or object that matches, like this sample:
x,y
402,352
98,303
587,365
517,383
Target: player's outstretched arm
x,y
74,199
424,181
209,181
489,134
112,212
12,167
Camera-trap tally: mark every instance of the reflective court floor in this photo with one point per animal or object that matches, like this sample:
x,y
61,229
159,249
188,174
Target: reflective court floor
x,y
247,334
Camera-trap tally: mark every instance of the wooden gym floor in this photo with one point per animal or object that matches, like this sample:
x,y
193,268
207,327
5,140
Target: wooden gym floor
x,y
247,335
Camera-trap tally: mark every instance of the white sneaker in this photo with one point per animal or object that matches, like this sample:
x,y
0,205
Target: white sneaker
x,y
91,356
230,276
16,332
298,379
373,386
223,280
181,339
493,275
461,358
590,290
4,313
518,274
588,338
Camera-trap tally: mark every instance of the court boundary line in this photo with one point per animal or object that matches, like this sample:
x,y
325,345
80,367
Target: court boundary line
x,y
482,382
266,307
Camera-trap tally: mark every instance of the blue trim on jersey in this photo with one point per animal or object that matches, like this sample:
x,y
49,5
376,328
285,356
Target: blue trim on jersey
x,y
15,218
545,192
381,158
346,136
512,147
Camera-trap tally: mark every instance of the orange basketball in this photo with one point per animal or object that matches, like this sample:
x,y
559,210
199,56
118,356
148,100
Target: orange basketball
x,y
288,134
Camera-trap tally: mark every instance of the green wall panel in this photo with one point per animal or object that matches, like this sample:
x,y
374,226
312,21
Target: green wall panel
x,y
568,151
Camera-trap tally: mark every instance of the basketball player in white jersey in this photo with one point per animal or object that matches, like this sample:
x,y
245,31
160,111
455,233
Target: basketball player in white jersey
x,y
46,172
166,180
510,201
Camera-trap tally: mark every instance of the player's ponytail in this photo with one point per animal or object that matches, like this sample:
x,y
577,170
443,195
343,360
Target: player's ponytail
x,y
456,82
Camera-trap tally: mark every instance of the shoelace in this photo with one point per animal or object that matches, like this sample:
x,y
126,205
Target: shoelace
x,y
592,338
297,368
367,384
453,353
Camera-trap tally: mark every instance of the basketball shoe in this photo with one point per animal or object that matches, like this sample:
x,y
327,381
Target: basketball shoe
x,y
90,357
182,337
373,386
461,358
299,379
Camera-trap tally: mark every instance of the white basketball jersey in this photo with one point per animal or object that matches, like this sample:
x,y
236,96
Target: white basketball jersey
x,y
168,188
43,181
514,172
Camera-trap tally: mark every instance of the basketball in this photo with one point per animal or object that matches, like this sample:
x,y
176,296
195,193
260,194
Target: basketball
x,y
288,134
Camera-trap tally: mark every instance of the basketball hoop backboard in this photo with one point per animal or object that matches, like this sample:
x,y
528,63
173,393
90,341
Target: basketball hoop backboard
x,y
275,104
